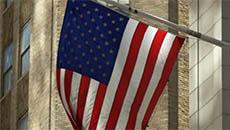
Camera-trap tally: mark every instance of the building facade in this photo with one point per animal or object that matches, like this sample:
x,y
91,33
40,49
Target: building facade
x,y
209,66
29,35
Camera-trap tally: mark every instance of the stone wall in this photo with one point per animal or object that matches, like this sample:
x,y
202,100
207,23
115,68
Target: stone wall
x,y
183,69
40,65
60,118
156,7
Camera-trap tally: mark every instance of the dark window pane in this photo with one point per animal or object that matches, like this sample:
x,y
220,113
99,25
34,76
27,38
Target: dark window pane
x,y
8,2
7,82
25,62
25,41
8,57
23,123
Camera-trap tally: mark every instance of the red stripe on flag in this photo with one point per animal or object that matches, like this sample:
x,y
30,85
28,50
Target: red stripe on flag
x,y
59,82
73,123
165,75
75,126
82,95
97,106
68,81
126,75
146,77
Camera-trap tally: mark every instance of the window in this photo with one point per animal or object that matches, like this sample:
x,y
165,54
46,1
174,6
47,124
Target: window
x,y
25,49
8,2
123,2
7,69
23,123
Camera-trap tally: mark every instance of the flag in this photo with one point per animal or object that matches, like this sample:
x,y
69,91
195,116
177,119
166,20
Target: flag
x,y
111,69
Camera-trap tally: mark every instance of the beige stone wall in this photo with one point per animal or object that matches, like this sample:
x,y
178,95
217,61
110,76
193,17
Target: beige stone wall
x,y
26,9
183,69
155,7
60,119
40,65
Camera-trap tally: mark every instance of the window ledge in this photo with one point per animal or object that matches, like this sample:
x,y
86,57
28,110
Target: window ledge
x,y
6,95
24,76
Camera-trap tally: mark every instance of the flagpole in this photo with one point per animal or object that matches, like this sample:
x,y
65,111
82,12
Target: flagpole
x,y
170,24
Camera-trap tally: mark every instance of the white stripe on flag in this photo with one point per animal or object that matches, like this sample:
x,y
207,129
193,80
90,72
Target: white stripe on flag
x,y
91,96
76,80
136,77
62,87
161,60
117,71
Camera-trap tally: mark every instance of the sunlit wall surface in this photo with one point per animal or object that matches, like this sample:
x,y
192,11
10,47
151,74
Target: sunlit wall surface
x,y
208,66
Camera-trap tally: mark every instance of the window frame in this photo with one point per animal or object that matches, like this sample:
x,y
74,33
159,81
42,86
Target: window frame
x,y
21,58
4,73
3,80
20,74
26,114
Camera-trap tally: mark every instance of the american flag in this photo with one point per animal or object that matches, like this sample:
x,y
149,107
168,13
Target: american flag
x,y
111,69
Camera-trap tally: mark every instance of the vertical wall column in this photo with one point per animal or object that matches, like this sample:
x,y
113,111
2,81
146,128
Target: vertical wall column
x,y
2,4
183,69
40,66
226,63
18,101
173,80
193,67
1,39
178,89
59,120
178,83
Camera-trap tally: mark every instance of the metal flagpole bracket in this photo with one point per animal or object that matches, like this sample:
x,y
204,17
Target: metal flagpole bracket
x,y
170,24
132,10
194,33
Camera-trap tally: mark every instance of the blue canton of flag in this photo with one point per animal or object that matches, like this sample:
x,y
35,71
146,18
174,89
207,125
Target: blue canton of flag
x,y
90,39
